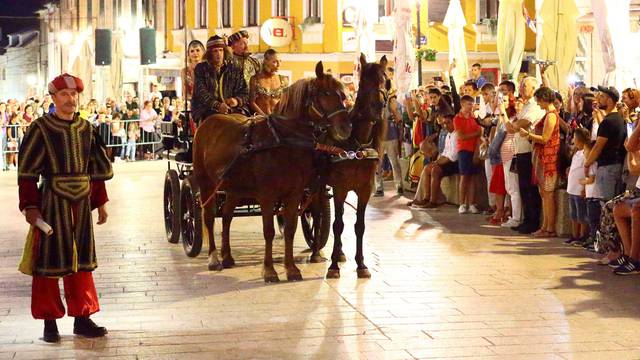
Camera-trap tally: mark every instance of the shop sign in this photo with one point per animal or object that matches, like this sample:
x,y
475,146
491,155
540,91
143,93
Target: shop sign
x,y
276,32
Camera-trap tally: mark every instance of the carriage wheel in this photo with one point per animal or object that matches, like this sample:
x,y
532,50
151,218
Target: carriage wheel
x,y
191,217
172,206
316,221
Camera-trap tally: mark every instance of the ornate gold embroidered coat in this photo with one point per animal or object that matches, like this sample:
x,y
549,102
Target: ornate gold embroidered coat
x,y
68,157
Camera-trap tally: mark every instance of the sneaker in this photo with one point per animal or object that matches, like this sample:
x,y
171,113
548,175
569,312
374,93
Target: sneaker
x,y
615,263
628,268
462,209
378,193
510,223
474,209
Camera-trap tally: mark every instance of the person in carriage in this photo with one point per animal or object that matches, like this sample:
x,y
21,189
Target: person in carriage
x,y
239,44
219,87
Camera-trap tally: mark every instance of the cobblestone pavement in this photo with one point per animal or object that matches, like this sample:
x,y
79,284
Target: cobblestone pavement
x,y
443,286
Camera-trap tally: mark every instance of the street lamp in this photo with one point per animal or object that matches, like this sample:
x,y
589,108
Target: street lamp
x,y
64,38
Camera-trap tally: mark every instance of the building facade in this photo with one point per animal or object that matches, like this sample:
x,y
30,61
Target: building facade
x,y
19,70
321,29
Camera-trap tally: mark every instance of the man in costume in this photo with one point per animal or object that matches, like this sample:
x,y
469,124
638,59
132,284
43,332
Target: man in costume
x,y
66,154
219,87
239,44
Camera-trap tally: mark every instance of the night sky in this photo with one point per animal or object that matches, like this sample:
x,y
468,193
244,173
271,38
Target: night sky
x,y
19,8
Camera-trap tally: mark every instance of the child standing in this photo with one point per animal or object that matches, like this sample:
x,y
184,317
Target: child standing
x,y
576,188
468,132
133,133
593,202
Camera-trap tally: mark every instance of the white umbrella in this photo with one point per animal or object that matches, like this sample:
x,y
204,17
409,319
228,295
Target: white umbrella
x,y
511,37
455,22
404,54
612,20
365,42
557,39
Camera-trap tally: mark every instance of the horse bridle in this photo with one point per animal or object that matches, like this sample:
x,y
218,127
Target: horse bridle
x,y
374,120
317,108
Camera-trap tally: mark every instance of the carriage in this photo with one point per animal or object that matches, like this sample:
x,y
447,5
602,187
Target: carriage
x,y
182,215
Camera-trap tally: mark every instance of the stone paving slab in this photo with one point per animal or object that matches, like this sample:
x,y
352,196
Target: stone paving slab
x,y
444,286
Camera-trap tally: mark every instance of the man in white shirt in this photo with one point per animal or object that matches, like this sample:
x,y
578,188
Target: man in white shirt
x,y
527,117
429,191
155,93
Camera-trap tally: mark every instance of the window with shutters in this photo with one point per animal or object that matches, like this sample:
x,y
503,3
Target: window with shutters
x,y
313,9
280,8
251,7
178,14
487,9
225,13
89,11
385,8
201,14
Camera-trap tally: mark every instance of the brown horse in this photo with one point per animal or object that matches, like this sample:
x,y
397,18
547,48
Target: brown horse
x,y
269,160
369,129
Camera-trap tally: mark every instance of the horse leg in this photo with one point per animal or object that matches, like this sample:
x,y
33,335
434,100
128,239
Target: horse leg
x,y
227,216
363,200
291,205
339,197
268,272
316,208
208,220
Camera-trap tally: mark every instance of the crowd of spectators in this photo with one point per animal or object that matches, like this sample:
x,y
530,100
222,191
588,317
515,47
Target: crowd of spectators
x,y
130,129
533,147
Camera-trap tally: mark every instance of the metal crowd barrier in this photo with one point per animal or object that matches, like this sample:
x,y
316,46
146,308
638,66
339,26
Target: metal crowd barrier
x,y
125,139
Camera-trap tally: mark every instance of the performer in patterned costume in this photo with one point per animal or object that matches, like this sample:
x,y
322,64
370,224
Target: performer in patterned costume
x,y
239,44
65,152
219,85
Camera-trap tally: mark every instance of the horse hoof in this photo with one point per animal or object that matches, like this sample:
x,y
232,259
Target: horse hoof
x,y
228,263
215,267
294,277
364,273
271,278
342,258
333,274
316,258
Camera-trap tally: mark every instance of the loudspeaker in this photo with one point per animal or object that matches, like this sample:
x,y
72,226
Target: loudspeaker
x,y
103,47
524,67
147,46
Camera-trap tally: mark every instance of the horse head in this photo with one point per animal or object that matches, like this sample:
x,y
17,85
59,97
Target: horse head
x,y
326,105
368,114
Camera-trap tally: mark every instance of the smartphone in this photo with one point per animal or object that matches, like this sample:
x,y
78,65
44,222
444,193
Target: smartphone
x,y
629,129
437,78
477,99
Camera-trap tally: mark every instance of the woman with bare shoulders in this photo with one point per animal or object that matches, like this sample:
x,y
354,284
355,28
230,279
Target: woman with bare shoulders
x,y
266,87
196,54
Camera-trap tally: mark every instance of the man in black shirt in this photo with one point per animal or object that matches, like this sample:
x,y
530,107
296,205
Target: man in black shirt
x,y
608,151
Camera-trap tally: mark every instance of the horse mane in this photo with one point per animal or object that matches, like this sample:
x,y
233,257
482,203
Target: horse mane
x,y
371,74
292,101
292,98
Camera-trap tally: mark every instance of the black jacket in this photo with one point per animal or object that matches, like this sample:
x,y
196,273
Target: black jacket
x,y
206,94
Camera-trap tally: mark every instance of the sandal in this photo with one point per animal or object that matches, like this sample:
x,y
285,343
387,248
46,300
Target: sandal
x,y
539,234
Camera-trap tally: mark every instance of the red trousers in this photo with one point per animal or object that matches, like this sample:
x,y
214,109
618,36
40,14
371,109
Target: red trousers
x,y
79,292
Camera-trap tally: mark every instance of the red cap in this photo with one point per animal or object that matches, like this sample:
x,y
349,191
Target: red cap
x,y
65,81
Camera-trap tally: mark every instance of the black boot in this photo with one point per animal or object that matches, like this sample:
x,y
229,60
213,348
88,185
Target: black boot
x,y
51,334
86,327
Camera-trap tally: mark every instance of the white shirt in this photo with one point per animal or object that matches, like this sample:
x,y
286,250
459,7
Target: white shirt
x,y
532,113
576,173
591,190
450,147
